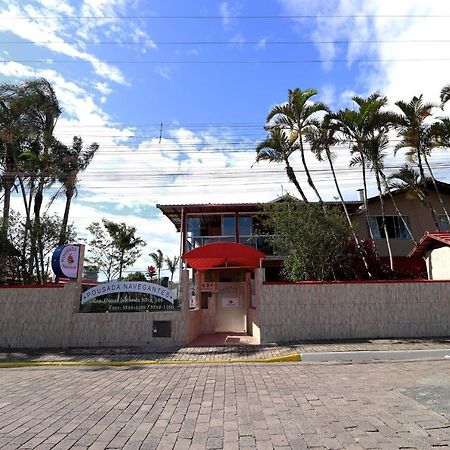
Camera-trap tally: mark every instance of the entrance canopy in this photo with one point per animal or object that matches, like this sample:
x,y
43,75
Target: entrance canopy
x,y
223,254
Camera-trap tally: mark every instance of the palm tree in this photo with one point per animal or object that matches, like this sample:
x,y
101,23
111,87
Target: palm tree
x,y
43,114
71,161
375,152
28,114
409,180
13,111
124,240
445,95
298,115
418,137
321,139
172,265
278,148
357,126
158,259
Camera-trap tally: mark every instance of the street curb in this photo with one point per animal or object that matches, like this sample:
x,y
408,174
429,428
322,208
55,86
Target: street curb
x,y
294,357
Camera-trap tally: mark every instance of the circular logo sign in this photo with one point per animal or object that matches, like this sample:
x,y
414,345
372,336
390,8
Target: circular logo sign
x,y
65,261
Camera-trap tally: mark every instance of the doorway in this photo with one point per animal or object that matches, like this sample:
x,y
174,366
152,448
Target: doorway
x,y
231,308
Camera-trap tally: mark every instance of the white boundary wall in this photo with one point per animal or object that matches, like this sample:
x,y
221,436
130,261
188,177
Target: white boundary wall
x,y
313,311
48,317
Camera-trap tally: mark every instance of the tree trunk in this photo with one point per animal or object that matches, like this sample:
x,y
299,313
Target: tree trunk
x,y
437,189
308,175
27,204
397,208
36,236
293,179
388,243
423,180
347,215
63,233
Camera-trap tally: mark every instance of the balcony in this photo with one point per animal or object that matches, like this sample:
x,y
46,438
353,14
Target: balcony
x,y
259,242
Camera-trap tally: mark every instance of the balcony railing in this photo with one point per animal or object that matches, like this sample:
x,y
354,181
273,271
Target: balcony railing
x,y
261,243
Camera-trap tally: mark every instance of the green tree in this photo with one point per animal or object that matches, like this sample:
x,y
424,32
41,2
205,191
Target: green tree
x,y
172,266
418,138
40,112
298,115
136,276
158,259
313,241
113,247
70,162
357,126
321,140
20,247
278,148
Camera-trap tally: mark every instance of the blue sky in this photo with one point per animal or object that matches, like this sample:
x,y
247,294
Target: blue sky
x,y
120,68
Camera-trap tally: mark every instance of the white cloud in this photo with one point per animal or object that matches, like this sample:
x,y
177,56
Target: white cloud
x,y
103,88
394,77
50,33
163,71
227,11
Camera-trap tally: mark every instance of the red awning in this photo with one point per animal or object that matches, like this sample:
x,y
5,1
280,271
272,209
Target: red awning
x,y
223,254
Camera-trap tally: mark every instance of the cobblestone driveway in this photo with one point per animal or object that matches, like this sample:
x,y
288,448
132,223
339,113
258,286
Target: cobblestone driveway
x,y
259,406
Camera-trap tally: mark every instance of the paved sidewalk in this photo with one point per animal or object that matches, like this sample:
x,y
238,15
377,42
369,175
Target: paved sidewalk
x,y
216,353
202,407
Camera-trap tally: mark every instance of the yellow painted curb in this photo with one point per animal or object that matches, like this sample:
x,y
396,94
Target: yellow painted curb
x,y
294,357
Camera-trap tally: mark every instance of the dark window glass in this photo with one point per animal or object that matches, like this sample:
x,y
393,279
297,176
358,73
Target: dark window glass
x,y
228,225
245,225
395,227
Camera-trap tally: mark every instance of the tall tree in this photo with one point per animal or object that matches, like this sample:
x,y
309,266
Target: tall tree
x,y
158,259
321,139
277,147
297,116
29,112
112,247
417,138
357,125
172,266
124,239
70,162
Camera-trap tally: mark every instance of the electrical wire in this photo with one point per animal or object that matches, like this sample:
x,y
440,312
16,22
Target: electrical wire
x,y
225,62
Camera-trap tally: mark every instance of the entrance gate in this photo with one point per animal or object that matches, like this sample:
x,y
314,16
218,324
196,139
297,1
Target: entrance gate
x,y
231,308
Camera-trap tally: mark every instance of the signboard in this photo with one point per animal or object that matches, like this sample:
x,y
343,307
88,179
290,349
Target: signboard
x,y
66,261
230,302
128,296
208,286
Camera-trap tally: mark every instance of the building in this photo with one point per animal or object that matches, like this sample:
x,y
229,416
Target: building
x,y
434,247
225,246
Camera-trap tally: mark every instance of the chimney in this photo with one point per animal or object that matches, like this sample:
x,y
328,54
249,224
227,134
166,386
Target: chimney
x,y
361,194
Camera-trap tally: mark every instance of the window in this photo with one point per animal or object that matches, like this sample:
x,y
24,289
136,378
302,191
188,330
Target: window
x,y
443,223
228,226
193,226
394,224
245,225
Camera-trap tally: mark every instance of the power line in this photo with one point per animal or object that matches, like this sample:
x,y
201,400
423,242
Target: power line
x,y
236,17
224,62
259,42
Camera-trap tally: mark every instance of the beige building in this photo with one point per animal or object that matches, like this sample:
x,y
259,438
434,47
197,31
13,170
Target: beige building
x,y
435,248
418,217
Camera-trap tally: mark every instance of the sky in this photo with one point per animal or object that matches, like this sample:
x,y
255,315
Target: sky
x,y
176,92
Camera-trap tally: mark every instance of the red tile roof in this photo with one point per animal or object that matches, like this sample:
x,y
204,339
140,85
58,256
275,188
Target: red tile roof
x,y
431,240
